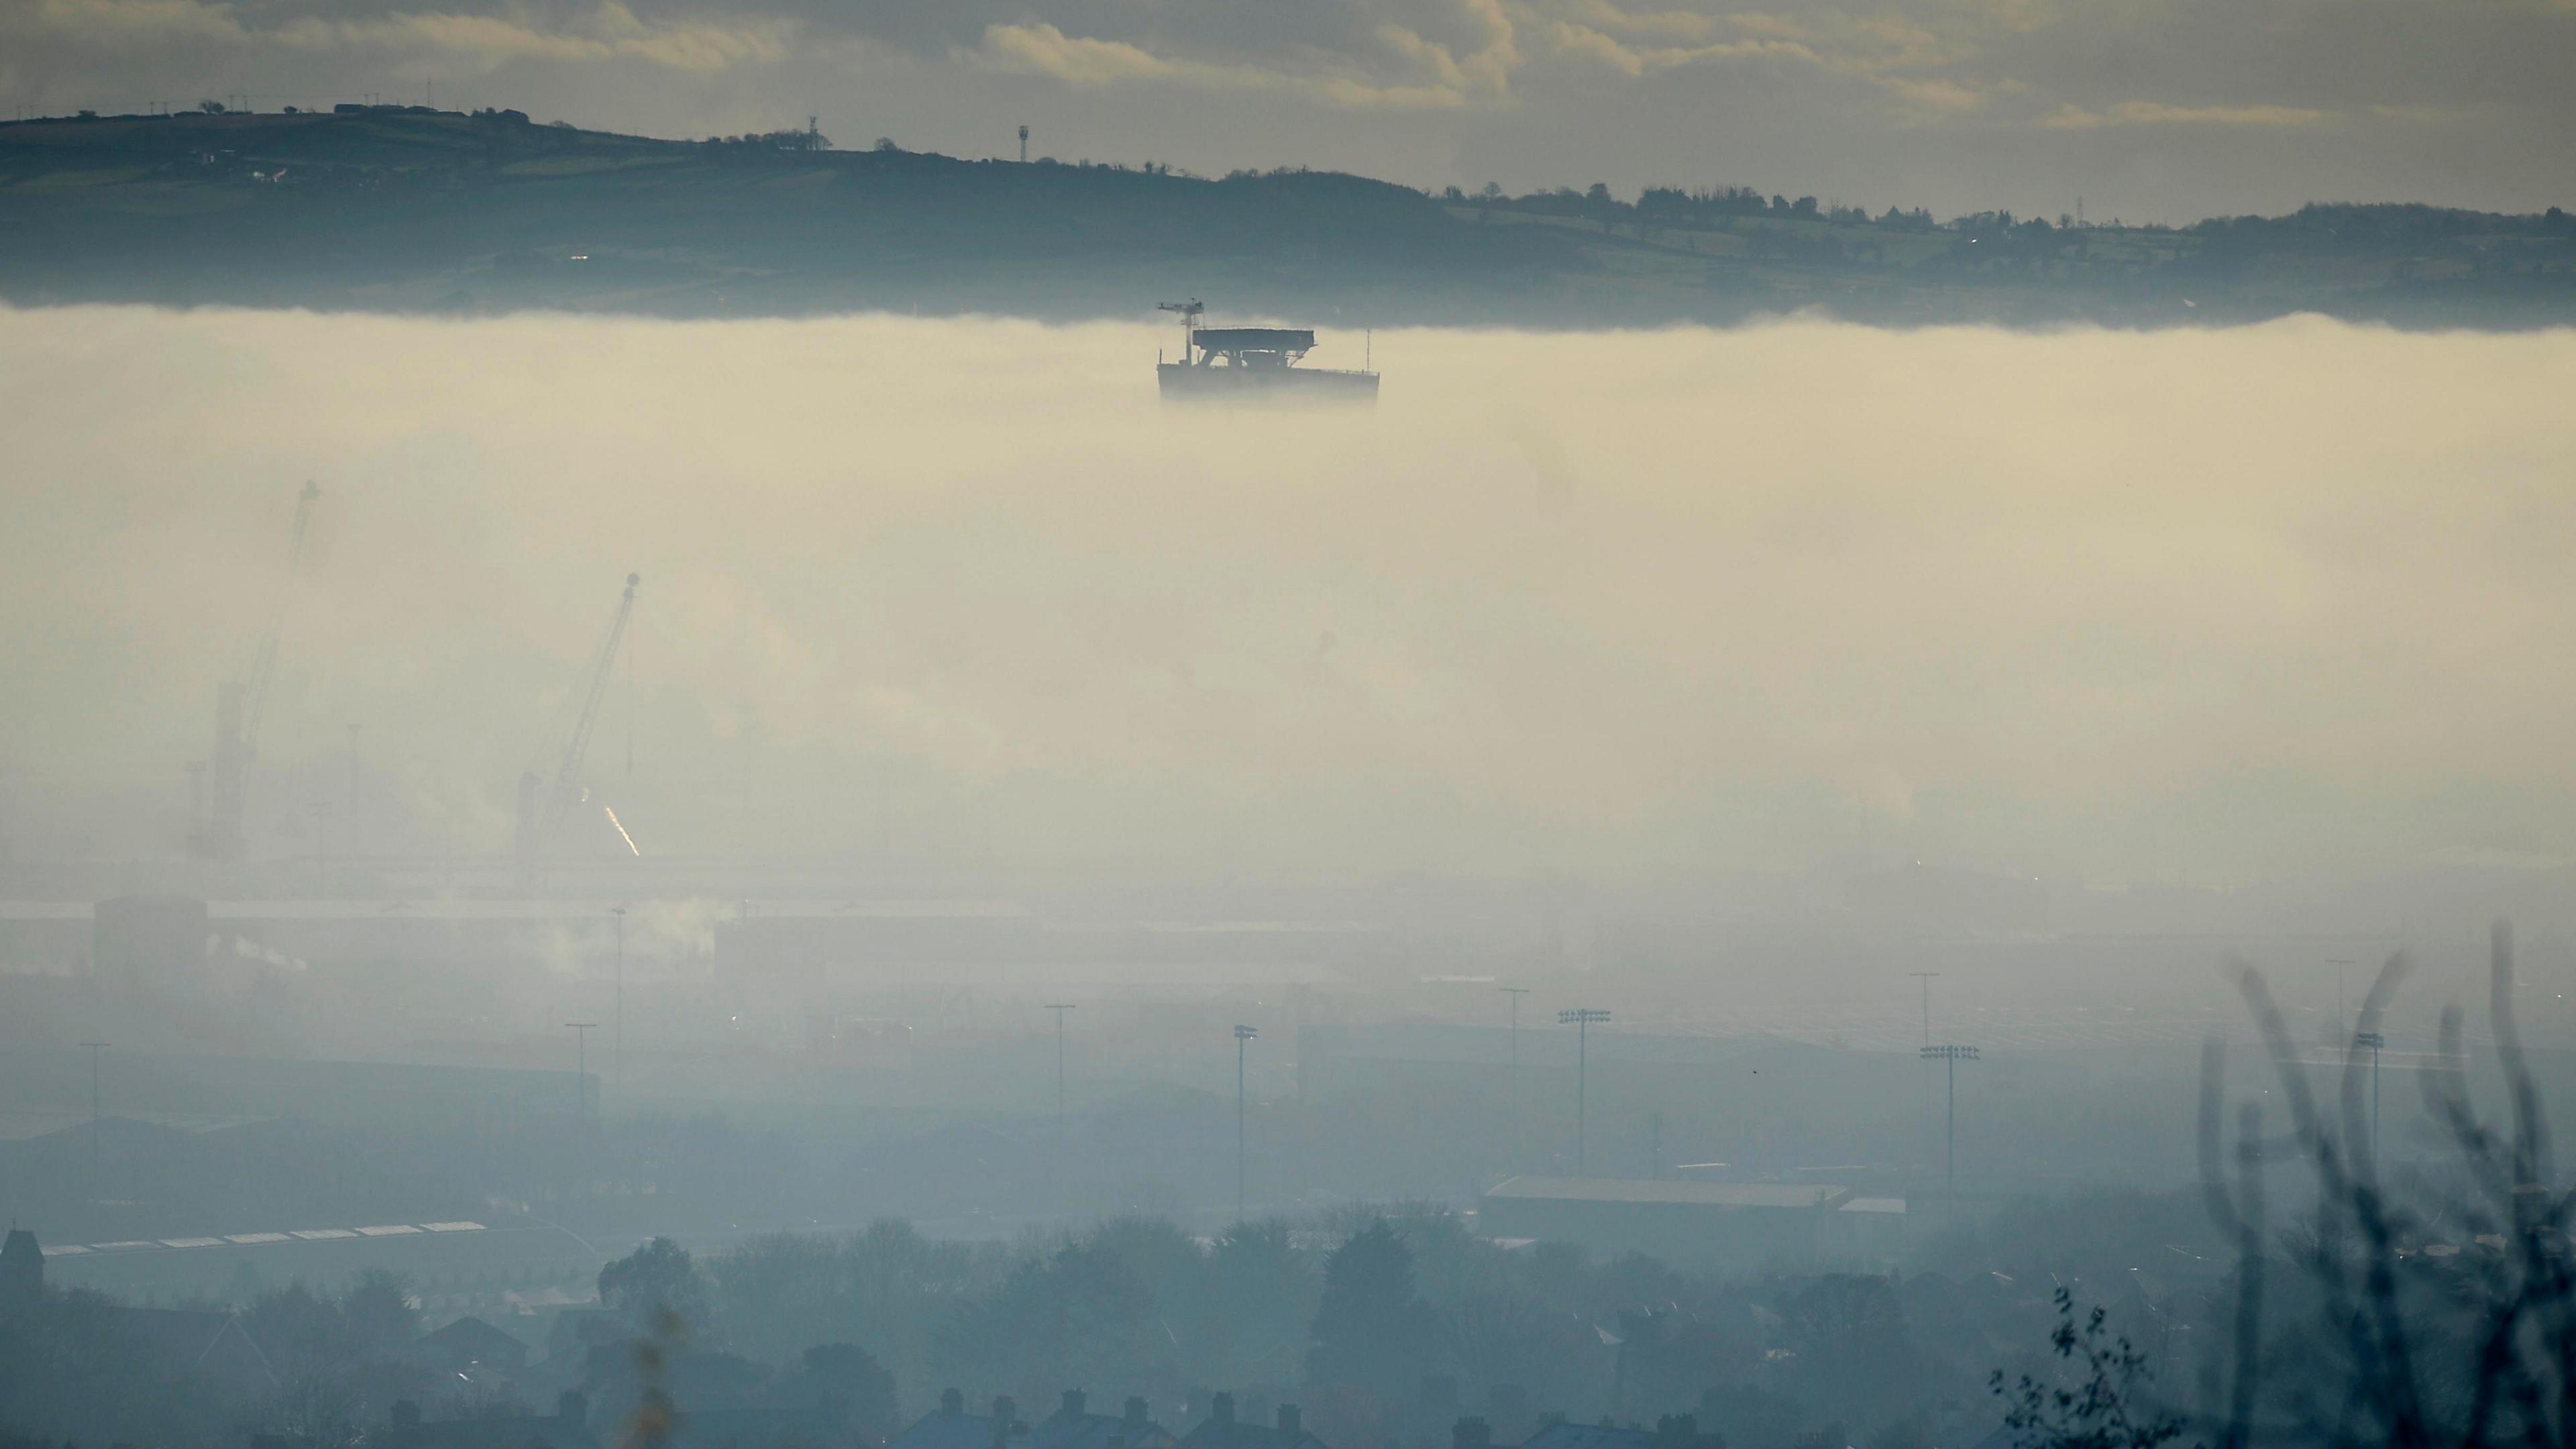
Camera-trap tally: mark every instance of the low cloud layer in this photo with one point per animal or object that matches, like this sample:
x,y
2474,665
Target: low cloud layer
x,y
2169,111
2190,605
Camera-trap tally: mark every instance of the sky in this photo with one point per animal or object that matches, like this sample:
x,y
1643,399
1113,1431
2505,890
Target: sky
x,y
2144,109
2204,606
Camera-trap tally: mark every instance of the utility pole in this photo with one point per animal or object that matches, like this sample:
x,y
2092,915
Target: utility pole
x,y
321,811
2338,963
1581,1019
1512,1100
1060,1008
1951,1056
350,806
1242,1034
97,1177
581,1063
617,1033
2373,1041
1926,978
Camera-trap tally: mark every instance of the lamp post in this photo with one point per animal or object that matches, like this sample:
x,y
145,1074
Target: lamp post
x,y
1060,1008
617,1033
581,1031
1926,978
1952,1056
1581,1019
97,1177
1242,1034
2373,1041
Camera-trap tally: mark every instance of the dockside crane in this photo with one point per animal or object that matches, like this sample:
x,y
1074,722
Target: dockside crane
x,y
536,825
240,707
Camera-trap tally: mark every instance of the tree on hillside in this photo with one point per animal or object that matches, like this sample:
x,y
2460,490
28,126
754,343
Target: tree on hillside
x,y
1373,1331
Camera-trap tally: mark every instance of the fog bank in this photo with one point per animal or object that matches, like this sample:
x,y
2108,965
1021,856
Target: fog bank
x,y
2204,606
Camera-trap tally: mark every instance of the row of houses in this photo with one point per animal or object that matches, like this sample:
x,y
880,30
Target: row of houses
x,y
1074,1426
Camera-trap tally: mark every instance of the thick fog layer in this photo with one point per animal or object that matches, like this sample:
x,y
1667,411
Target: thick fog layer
x,y
2191,605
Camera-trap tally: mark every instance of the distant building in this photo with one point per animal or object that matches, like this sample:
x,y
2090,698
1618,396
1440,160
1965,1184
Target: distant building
x,y
1224,1431
1739,1224
22,1271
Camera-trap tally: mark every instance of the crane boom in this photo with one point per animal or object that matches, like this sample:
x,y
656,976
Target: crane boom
x,y
255,699
567,786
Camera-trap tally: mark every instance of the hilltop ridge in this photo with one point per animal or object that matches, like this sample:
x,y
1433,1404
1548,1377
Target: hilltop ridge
x,y
414,210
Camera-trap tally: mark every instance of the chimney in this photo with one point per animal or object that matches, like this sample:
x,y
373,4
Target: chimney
x,y
572,1406
1291,1423
1471,1433
1073,1400
952,1402
1221,1408
406,1414
1135,1409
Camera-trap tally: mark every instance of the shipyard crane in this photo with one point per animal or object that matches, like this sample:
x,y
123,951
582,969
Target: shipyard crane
x,y
535,826
240,706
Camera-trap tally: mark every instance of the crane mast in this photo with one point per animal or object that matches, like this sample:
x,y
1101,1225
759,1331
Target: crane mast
x,y
241,705
566,791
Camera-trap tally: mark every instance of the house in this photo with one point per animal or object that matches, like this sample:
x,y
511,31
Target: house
x,y
1224,1431
209,1341
470,1344
568,1427
1071,1426
951,1427
1672,1431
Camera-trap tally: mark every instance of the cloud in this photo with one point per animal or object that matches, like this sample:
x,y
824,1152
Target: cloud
x,y
2072,117
1636,60
1409,72
128,20
611,32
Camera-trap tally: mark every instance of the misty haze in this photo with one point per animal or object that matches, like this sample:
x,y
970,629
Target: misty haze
x,y
1458,781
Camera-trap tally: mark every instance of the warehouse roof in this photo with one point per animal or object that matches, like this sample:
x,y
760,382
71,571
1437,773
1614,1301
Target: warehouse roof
x,y
1688,1194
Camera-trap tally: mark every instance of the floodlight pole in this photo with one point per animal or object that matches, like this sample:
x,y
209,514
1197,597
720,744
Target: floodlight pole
x,y
617,1043
1581,1019
1242,1034
1512,1098
1926,978
2373,1041
1951,1056
97,1175
581,1063
1059,1008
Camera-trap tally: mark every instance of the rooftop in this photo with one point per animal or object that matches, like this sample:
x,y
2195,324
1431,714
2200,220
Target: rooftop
x,y
1667,1190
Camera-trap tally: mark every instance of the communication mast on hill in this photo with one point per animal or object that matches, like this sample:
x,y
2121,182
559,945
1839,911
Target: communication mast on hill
x,y
1024,145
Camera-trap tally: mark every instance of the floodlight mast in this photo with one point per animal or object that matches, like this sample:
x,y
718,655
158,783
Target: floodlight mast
x,y
1952,1056
1242,1035
1059,1008
1581,1019
2372,1042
